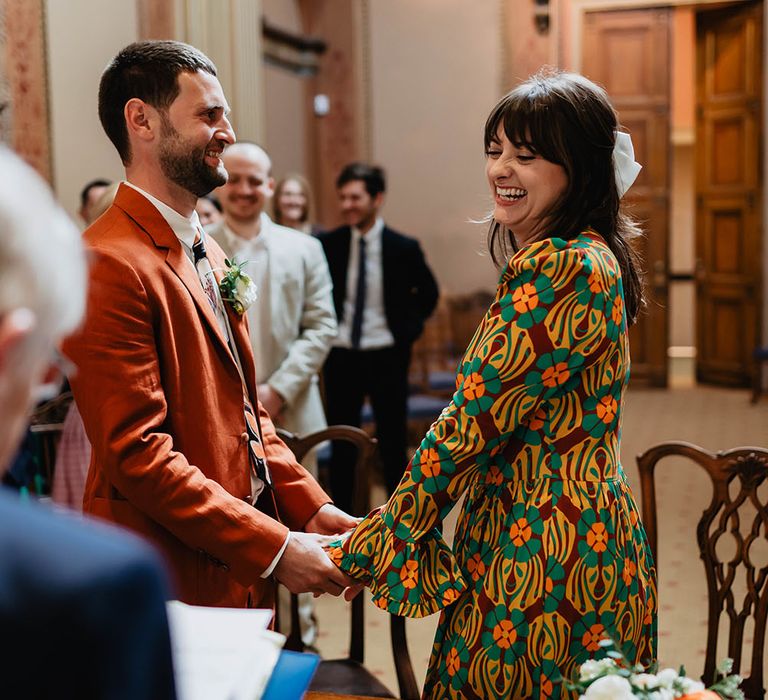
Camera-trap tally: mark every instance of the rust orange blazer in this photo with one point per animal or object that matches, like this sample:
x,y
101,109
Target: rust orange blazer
x,y
162,403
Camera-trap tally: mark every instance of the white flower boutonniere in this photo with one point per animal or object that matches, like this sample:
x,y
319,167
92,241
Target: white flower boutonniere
x,y
237,288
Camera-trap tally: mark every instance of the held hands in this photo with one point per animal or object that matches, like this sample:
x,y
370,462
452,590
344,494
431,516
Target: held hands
x,y
330,520
305,565
306,568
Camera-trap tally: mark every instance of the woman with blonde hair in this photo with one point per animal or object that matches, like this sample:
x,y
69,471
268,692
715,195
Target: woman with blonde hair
x,y
293,204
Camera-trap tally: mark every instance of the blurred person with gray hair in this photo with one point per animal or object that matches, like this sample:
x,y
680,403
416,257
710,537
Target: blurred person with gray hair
x,y
65,585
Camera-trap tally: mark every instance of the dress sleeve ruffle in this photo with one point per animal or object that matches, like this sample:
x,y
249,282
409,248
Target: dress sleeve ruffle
x,y
407,576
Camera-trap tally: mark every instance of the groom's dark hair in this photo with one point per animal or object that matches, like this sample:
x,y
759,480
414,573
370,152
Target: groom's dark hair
x,y
148,70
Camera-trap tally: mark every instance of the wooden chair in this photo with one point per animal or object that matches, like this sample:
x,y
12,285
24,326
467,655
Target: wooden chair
x,y
736,475
434,357
349,676
466,312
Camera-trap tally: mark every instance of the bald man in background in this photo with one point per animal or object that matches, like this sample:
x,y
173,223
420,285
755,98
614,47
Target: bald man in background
x,y
293,322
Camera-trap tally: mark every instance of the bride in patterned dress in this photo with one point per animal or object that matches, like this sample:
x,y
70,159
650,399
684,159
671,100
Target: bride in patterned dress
x,y
549,554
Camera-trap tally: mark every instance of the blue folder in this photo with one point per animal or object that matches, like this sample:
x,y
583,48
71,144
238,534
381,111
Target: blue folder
x,y
292,676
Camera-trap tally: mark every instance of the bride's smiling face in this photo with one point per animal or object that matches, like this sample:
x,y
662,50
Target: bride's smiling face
x,y
525,187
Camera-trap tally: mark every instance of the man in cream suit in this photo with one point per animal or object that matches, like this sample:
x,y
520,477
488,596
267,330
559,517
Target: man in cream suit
x,y
293,322
184,452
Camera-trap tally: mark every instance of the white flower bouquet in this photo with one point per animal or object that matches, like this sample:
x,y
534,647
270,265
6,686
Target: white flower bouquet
x,y
614,678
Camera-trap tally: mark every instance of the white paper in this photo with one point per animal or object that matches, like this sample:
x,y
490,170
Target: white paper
x,y
222,653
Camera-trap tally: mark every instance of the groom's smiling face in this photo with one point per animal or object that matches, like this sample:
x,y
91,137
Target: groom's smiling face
x,y
193,134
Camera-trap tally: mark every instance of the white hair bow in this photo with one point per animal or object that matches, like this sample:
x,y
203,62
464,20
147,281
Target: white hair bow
x,y
625,167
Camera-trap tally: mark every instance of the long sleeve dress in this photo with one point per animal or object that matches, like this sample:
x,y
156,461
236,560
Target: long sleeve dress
x,y
549,552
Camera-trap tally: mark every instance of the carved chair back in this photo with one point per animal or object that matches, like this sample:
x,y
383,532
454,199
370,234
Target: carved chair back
x,y
738,508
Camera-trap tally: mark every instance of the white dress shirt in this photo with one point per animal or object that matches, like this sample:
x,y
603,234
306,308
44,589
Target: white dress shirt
x,y
375,333
186,230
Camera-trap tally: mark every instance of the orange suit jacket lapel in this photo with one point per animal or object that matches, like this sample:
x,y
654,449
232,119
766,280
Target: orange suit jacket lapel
x,y
151,221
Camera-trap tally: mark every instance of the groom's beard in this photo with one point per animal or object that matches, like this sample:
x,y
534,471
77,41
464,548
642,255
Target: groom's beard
x,y
184,164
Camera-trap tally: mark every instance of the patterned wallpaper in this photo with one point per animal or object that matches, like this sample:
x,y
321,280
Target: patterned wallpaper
x,y
24,121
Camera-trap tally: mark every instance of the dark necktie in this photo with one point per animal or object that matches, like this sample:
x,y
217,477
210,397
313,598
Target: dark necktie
x,y
357,316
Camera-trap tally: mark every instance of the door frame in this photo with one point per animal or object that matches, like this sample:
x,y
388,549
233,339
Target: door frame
x,y
578,8
570,50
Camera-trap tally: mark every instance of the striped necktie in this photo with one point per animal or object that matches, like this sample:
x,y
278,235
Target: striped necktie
x,y
256,453
208,282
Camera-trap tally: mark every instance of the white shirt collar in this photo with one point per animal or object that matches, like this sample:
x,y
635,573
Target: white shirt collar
x,y
374,233
256,242
185,228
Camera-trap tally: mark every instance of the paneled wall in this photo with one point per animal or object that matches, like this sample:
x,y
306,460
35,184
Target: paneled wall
x,y
23,82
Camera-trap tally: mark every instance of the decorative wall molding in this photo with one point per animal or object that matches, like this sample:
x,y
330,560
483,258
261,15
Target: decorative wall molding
x,y
296,53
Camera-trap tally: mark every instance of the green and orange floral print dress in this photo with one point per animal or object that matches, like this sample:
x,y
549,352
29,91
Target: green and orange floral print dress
x,y
549,552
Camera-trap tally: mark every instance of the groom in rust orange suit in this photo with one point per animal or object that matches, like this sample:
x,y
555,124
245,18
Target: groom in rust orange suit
x,y
183,453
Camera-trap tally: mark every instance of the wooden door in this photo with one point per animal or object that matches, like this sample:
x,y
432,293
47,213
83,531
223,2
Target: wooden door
x,y
627,51
728,187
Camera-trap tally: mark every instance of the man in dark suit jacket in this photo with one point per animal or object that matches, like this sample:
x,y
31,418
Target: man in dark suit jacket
x,y
383,291
82,606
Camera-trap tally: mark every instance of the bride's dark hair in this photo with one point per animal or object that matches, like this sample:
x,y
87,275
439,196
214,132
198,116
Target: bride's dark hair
x,y
567,119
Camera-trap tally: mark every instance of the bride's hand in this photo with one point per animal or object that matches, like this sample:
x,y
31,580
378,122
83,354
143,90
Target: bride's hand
x,y
352,592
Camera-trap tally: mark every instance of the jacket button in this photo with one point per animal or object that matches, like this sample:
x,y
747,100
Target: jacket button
x,y
244,438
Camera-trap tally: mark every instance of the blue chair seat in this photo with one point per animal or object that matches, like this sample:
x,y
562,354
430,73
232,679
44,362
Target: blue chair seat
x,y
424,406
442,380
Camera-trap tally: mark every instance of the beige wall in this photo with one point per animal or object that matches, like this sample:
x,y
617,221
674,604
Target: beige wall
x,y
82,37
285,107
435,71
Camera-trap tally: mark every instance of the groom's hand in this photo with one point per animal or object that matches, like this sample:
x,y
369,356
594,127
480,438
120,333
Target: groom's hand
x,y
306,568
329,520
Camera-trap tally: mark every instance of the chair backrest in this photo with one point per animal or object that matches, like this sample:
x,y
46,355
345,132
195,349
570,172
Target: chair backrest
x,y
46,423
366,453
434,349
466,312
736,510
